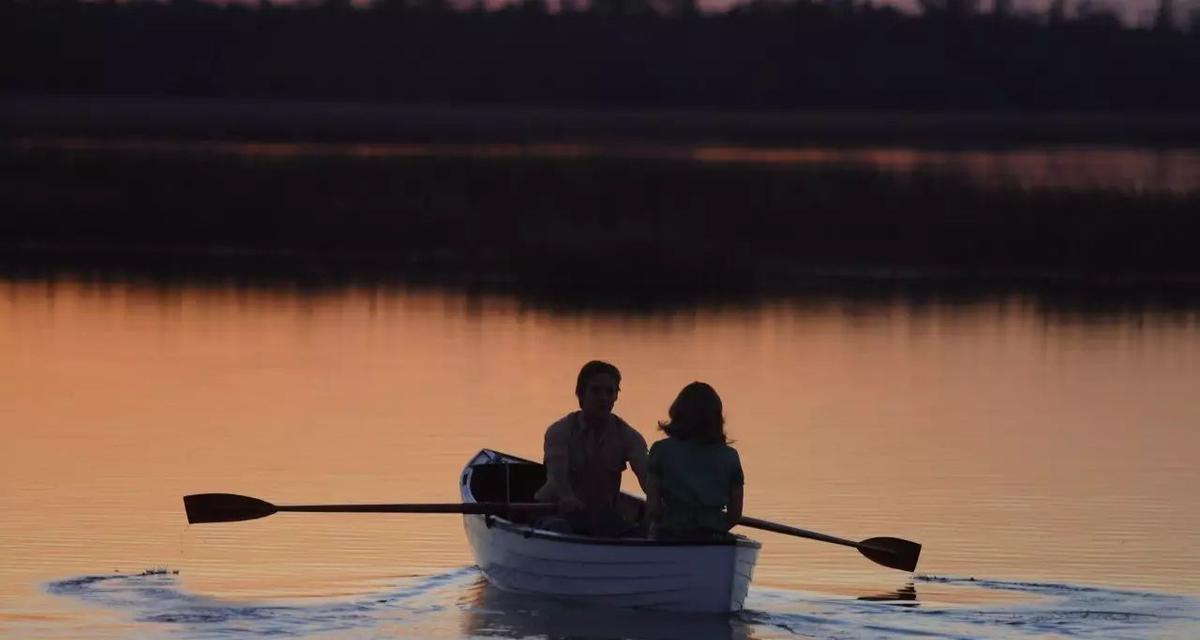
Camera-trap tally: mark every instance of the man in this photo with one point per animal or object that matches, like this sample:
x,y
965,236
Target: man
x,y
585,453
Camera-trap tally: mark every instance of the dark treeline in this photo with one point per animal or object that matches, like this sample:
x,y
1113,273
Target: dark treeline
x,y
630,53
604,227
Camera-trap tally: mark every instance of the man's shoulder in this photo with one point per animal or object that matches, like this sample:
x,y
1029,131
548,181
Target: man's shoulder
x,y
628,432
562,425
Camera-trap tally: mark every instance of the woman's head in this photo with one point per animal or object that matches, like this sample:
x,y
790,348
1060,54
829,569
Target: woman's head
x,y
697,414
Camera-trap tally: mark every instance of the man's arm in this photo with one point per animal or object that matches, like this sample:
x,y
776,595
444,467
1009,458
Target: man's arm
x,y
636,455
556,457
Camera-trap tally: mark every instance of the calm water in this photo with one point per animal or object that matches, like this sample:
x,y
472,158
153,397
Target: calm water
x,y
1140,169
1047,460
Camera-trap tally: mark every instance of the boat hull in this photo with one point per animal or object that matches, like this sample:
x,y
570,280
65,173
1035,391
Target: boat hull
x,y
623,572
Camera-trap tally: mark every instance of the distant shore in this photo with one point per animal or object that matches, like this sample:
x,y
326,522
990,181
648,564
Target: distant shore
x,y
277,120
591,228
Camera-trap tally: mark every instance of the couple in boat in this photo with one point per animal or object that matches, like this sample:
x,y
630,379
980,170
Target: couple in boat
x,y
692,478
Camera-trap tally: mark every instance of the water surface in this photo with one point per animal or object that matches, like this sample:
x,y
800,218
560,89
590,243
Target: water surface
x,y
1044,457
1075,166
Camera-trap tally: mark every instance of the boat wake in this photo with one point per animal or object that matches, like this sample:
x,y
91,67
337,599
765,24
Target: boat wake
x,y
1045,610
154,597
459,603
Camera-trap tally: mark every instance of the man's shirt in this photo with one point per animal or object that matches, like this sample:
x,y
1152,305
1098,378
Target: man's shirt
x,y
586,462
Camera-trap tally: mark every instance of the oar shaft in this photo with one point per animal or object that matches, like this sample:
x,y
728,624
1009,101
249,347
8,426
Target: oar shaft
x,y
450,507
767,525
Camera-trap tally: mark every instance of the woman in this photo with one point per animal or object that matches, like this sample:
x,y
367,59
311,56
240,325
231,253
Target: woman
x,y
694,484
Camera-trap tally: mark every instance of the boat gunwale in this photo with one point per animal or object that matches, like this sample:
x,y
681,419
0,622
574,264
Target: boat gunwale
x,y
528,531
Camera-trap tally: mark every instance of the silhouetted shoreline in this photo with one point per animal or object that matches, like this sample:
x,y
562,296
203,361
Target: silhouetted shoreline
x,y
1067,295
587,227
176,118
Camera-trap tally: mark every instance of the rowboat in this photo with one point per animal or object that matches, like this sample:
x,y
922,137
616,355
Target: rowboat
x,y
499,515
517,556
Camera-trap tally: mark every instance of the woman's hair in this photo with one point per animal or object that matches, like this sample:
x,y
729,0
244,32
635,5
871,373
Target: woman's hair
x,y
698,414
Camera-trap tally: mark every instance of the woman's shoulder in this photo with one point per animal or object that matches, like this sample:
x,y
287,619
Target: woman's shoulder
x,y
701,448
671,443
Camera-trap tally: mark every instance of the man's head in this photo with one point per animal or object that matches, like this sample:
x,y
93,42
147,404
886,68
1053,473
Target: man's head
x,y
597,387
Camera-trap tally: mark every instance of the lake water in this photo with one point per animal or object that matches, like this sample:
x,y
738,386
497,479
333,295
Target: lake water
x,y
1046,458
1112,167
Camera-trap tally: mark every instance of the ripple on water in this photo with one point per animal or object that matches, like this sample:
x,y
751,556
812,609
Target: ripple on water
x,y
459,603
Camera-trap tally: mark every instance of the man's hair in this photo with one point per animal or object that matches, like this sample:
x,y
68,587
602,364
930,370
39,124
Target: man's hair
x,y
697,414
592,368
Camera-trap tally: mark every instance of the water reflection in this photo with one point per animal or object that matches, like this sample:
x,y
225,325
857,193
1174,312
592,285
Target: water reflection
x,y
244,286
495,613
1036,167
905,596
1055,167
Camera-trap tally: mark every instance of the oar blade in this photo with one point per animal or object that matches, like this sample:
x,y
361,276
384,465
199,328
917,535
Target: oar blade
x,y
224,507
893,553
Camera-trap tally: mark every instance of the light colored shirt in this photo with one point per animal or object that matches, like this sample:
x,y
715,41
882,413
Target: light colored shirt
x,y
586,462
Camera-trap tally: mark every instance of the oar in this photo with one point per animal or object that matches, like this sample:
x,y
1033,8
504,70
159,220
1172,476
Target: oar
x,y
894,553
229,507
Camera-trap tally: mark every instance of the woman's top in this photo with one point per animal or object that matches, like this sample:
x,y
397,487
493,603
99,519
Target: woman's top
x,y
694,480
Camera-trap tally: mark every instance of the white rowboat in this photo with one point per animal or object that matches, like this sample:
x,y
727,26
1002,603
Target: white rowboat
x,y
697,577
